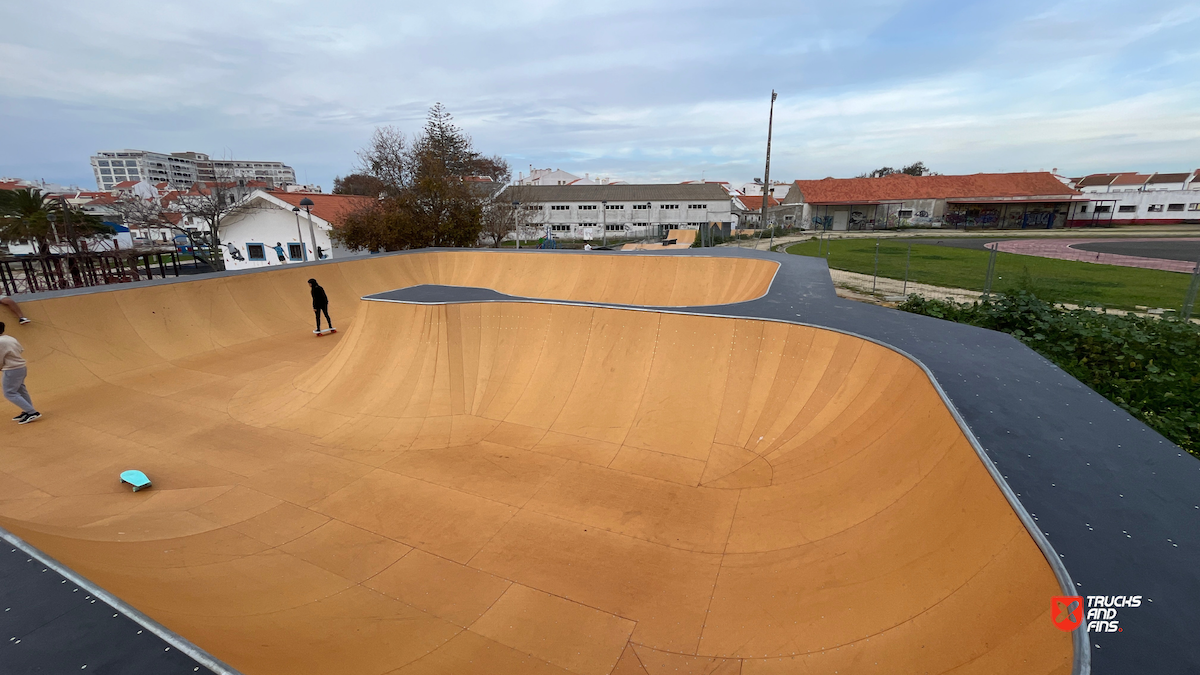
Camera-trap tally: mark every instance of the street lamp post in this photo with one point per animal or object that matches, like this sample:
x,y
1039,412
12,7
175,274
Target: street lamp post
x,y
312,236
296,211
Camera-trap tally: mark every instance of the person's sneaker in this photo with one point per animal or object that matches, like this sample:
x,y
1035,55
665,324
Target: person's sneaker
x,y
23,320
20,416
29,417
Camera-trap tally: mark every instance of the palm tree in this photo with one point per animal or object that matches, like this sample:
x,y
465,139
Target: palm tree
x,y
25,215
29,215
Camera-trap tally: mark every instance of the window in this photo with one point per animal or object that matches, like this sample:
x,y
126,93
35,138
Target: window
x,y
587,207
533,208
904,213
1175,207
256,252
557,227
1194,207
1104,208
669,207
613,227
1083,208
1155,208
130,162
295,252
103,162
106,172
1127,208
641,207
615,207
560,207
697,206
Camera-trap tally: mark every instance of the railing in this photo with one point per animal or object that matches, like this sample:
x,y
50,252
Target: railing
x,y
31,274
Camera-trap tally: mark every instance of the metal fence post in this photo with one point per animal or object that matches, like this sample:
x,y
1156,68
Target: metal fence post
x,y
907,259
991,268
876,276
1189,302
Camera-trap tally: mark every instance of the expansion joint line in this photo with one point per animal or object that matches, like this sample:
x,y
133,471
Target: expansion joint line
x,y
720,566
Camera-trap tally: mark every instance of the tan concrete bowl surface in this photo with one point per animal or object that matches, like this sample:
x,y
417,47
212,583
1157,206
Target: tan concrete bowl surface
x,y
518,487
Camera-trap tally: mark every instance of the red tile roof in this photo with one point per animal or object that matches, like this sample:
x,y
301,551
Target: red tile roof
x,y
1096,179
754,202
330,208
1168,178
1131,179
898,187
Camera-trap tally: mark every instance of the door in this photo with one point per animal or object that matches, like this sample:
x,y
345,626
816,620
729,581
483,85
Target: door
x,y
840,219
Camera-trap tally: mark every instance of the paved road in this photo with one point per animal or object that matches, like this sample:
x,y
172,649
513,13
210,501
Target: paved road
x,y
1188,251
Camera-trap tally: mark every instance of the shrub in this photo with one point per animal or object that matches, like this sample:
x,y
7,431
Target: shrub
x,y
1148,366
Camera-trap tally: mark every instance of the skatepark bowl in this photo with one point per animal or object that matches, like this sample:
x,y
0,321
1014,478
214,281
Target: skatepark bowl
x,y
518,487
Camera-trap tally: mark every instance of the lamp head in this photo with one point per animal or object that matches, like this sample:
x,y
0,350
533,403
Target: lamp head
x,y
306,202
295,209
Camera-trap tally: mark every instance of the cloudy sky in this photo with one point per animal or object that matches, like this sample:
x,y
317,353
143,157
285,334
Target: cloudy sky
x,y
640,90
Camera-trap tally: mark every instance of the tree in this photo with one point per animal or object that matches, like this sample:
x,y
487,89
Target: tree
x,y
436,189
29,215
210,203
358,184
914,169
501,217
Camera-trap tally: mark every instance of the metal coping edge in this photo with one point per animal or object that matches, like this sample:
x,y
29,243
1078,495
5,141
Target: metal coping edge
x,y
206,276
1082,663
170,637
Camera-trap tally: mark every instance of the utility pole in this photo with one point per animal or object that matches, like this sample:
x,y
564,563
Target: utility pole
x,y
767,173
604,222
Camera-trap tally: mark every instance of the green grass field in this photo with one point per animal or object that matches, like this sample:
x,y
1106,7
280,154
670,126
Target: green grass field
x,y
1053,280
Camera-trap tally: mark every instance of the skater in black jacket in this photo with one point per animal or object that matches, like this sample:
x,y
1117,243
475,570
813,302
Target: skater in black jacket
x,y
320,304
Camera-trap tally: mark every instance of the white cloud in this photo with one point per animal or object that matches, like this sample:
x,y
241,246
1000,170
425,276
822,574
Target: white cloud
x,y
642,90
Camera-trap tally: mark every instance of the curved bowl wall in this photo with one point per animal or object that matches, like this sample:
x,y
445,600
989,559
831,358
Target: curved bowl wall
x,y
517,487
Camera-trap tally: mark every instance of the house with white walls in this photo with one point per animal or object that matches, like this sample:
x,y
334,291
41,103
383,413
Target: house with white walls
x,y
1131,198
279,228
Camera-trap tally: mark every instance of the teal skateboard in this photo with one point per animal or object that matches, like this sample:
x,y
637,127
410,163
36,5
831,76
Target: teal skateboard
x,y
135,478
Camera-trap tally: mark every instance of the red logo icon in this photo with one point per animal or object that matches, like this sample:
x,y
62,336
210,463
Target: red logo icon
x,y
1066,611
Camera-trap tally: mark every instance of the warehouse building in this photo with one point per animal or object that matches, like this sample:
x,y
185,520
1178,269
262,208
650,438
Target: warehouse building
x,y
600,212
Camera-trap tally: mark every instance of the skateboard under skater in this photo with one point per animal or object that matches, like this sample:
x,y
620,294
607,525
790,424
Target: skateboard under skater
x,y
325,331
135,478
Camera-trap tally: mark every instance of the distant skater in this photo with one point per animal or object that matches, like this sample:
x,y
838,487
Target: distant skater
x,y
16,309
13,366
320,303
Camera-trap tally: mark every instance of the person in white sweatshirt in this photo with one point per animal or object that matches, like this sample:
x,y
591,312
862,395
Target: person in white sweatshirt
x,y
14,307
12,364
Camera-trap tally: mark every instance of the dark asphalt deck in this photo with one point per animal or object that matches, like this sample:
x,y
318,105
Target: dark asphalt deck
x,y
50,624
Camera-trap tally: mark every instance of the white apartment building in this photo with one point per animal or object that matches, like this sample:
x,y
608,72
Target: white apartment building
x,y
755,189
1132,198
182,169
596,212
560,177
